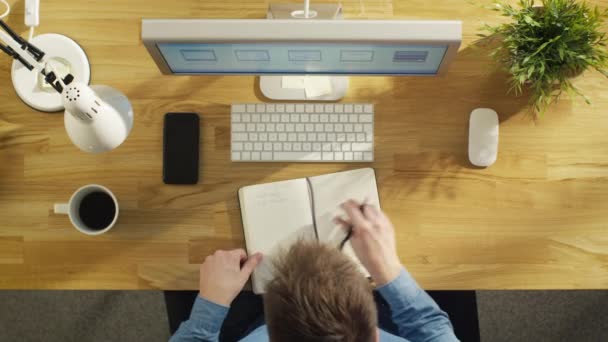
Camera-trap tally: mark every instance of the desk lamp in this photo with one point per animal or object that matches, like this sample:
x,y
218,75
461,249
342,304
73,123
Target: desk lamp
x,y
97,118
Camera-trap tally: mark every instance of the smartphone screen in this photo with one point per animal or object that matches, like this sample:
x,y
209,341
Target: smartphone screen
x,y
180,148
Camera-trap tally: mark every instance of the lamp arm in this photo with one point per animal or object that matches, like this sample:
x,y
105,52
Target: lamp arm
x,y
30,56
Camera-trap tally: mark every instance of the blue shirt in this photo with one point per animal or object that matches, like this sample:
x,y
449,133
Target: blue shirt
x,y
414,312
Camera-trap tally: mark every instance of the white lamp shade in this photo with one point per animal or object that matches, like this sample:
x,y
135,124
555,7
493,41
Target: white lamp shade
x,y
97,118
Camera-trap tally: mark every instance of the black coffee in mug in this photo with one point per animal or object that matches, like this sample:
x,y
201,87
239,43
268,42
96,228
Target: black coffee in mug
x,y
97,210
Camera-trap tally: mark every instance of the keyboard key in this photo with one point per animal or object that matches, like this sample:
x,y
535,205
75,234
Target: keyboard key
x,y
338,155
302,137
345,147
255,155
263,136
305,156
362,147
339,127
343,118
305,118
280,108
290,127
238,127
270,108
237,146
275,118
365,118
329,108
367,156
336,147
339,108
270,127
250,127
281,127
290,108
333,118
348,108
353,118
250,108
358,108
368,108
277,146
321,137
284,118
266,156
369,137
299,127
358,155
328,156
316,147
256,118
310,108
307,146
272,136
236,118
260,107
239,136
253,137
348,156
238,108
319,127
358,128
260,127
297,146
265,117
310,127
236,156
282,136
327,147
360,137
324,118
319,108
328,128
331,136
246,156
341,137
258,146
311,136
348,128
351,137
267,146
368,128
248,146
292,137
294,118
314,117
286,146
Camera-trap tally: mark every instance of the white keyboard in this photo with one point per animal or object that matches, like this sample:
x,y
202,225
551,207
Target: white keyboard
x,y
298,132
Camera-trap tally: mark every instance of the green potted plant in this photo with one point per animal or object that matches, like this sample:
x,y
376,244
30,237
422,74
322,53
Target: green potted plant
x,y
543,47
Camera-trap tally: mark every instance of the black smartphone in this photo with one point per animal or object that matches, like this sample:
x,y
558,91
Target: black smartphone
x,y
180,148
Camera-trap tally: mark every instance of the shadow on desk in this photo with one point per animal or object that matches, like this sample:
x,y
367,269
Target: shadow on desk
x,y
246,313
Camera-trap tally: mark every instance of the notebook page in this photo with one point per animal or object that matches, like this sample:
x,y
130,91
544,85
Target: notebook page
x,y
275,215
330,191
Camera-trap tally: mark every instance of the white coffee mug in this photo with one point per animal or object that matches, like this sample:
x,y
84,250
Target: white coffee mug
x,y
72,208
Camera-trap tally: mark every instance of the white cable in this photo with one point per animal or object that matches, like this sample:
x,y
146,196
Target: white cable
x,y
31,35
8,9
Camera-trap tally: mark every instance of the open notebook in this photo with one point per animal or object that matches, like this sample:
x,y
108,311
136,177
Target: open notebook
x,y
275,215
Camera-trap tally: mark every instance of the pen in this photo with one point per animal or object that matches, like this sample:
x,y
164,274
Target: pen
x,y
350,230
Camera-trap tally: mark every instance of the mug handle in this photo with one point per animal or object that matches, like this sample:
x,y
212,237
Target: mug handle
x,y
61,208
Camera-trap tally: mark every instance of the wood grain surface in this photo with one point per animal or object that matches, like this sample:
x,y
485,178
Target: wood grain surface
x,y
537,219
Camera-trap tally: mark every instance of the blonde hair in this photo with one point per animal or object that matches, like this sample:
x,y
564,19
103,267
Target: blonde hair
x,y
318,294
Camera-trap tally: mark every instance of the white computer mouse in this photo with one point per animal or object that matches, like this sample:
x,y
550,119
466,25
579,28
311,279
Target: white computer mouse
x,y
483,137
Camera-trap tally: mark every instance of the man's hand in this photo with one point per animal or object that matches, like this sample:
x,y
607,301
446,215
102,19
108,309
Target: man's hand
x,y
373,239
222,277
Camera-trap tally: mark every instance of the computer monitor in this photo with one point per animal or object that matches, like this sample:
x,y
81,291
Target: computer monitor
x,y
275,47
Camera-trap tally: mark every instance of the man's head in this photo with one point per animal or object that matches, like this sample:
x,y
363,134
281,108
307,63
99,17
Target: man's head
x,y
318,294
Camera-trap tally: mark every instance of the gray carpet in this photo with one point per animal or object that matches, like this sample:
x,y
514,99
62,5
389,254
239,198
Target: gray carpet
x,y
133,316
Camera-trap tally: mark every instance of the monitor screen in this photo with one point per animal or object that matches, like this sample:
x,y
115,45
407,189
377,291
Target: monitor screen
x,y
302,58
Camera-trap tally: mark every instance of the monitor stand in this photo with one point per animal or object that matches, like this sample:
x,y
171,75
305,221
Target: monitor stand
x,y
320,88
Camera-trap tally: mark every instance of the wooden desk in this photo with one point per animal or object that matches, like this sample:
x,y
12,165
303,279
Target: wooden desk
x,y
536,219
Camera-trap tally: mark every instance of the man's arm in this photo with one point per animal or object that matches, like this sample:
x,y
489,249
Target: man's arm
x,y
415,313
373,239
221,280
